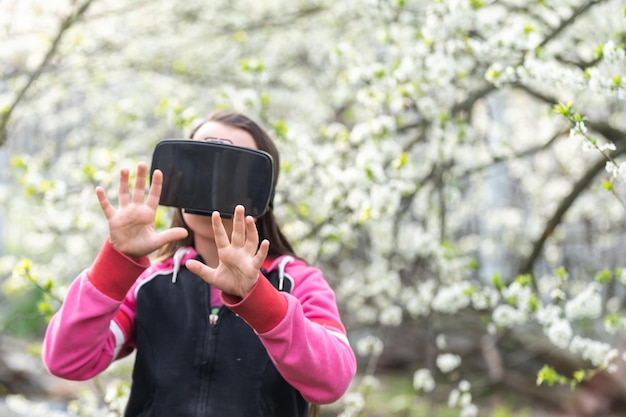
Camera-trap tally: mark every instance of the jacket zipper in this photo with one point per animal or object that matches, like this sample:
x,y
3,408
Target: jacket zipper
x,y
214,316
207,353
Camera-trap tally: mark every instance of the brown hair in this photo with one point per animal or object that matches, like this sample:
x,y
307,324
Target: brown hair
x,y
266,224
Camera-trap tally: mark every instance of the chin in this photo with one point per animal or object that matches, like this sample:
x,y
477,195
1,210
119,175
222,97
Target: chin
x,y
201,225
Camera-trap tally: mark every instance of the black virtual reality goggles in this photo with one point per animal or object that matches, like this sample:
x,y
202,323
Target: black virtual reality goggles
x,y
202,177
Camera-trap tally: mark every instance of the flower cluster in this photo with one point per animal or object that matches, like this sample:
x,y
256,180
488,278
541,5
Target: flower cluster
x,y
410,170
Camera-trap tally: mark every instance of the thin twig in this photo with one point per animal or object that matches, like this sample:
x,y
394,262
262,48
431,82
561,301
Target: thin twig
x,y
66,24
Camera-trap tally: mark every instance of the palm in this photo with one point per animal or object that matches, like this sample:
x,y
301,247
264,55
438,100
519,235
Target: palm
x,y
240,257
132,229
131,225
236,272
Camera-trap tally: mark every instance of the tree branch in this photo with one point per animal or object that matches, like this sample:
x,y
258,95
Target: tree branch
x,y
66,24
582,9
521,154
618,138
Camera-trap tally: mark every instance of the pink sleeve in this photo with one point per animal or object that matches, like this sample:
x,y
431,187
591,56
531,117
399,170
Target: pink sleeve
x,y
94,325
302,333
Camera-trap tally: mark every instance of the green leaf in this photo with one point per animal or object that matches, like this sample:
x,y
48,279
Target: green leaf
x,y
563,109
401,161
493,74
304,210
613,318
548,375
497,280
616,82
44,307
561,273
18,162
252,65
469,291
598,51
280,127
605,276
578,118
240,36
473,264
524,280
179,67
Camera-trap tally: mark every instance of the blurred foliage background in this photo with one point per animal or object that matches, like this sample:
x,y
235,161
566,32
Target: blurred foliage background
x,y
454,166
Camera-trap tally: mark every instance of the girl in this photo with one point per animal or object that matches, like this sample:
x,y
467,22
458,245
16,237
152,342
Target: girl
x,y
226,322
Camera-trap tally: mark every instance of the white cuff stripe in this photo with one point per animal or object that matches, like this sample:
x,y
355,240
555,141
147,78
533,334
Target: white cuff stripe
x,y
119,337
339,336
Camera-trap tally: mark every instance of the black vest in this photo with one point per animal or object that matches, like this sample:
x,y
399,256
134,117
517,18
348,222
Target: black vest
x,y
188,367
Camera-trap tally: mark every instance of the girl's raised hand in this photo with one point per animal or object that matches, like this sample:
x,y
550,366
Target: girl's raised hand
x,y
240,257
131,225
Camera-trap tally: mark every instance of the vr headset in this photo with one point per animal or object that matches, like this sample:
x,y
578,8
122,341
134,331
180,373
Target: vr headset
x,y
202,177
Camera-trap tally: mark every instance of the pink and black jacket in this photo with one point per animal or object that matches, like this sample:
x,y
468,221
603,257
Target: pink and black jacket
x,y
269,354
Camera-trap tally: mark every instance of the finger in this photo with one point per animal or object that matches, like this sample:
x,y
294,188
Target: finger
x,y
156,187
261,254
123,191
252,235
171,235
105,204
140,183
238,237
200,270
219,233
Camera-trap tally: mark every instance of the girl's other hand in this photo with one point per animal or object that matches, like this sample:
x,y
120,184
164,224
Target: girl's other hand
x,y
240,257
131,225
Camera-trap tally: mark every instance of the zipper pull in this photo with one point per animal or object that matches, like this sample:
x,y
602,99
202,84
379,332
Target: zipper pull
x,y
214,316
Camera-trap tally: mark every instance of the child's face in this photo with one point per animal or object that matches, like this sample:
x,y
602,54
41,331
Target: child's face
x,y
201,225
215,130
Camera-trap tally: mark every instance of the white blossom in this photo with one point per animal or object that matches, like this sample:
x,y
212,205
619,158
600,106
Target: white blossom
x,y
485,298
391,316
580,129
465,400
22,406
557,294
464,385
469,410
382,161
354,403
607,147
612,53
453,398
617,170
548,314
586,304
596,352
508,316
521,294
450,299
559,332
369,346
448,362
370,381
418,304
614,325
423,380
440,342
